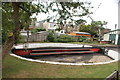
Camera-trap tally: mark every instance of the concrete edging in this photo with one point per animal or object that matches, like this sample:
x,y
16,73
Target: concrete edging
x,y
50,62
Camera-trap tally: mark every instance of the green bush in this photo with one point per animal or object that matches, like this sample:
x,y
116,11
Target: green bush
x,y
82,39
20,39
34,31
37,30
50,37
40,29
64,38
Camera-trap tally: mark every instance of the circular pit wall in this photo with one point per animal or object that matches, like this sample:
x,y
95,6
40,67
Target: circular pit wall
x,y
72,59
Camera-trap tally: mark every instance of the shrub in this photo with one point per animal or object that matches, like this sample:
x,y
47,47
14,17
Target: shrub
x,y
20,39
37,30
50,37
34,31
64,38
82,39
40,29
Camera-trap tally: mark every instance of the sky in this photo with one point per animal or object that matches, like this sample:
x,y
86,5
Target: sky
x,y
107,11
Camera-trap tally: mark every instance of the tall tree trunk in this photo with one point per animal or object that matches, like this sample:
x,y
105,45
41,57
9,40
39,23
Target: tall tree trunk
x,y
12,40
66,28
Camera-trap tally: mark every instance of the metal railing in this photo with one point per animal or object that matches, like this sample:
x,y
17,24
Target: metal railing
x,y
113,76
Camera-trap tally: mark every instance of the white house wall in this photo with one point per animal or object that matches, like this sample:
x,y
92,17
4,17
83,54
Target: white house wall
x,y
106,37
46,25
117,37
116,40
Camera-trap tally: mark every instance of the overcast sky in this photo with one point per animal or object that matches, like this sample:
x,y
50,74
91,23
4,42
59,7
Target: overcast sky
x,y
107,11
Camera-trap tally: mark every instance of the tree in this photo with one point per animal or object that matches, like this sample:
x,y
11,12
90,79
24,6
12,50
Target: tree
x,y
95,28
16,16
67,11
88,28
12,38
98,27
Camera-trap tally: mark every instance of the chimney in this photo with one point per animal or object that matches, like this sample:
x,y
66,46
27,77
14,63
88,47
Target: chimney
x,y
115,26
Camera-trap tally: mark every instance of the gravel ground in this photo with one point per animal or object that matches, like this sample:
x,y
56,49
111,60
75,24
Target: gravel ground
x,y
78,58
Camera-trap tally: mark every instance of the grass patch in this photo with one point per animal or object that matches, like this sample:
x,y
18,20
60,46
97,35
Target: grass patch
x,y
16,68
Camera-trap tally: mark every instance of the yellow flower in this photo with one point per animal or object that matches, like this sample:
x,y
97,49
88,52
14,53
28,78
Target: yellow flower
x,y
10,34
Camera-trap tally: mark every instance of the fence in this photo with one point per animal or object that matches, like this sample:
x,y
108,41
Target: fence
x,y
113,76
40,36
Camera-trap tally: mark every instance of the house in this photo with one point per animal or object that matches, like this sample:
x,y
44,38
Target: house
x,y
24,33
45,25
52,26
70,28
106,30
113,36
31,27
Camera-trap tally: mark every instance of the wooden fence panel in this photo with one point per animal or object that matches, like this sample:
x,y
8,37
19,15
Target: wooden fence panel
x,y
37,37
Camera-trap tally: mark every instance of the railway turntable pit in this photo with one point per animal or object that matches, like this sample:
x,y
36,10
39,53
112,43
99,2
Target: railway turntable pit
x,y
82,58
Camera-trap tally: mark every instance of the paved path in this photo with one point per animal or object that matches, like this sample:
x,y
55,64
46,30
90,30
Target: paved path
x,y
35,45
